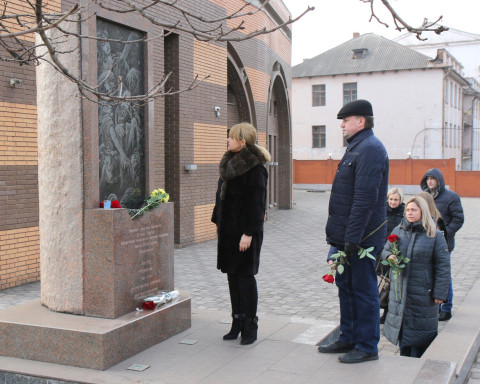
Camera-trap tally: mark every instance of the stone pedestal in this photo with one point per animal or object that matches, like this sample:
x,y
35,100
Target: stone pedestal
x,y
126,260
31,331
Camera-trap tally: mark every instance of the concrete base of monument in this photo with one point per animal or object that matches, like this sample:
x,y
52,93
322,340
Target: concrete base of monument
x,y
31,331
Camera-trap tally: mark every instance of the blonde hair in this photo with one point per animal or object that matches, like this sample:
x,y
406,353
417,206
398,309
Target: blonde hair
x,y
396,191
247,132
427,220
431,205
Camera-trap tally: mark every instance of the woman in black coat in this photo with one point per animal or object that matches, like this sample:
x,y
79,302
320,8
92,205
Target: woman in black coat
x,y
395,208
412,319
239,214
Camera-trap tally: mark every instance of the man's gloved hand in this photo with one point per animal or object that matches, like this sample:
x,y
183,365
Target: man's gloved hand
x,y
351,249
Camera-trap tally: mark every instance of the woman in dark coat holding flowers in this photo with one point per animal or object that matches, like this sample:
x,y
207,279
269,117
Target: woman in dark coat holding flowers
x,y
239,214
422,284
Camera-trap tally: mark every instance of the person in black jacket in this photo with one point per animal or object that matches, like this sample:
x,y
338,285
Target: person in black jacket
x,y
450,207
412,319
357,218
239,214
395,208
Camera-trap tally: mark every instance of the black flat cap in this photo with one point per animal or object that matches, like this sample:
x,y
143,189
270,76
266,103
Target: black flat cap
x,y
356,108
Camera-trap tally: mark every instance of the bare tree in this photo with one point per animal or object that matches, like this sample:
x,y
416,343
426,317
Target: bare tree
x,y
18,29
401,24
51,31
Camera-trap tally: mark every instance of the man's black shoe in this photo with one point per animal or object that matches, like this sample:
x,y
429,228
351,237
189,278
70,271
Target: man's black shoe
x,y
444,316
357,356
336,347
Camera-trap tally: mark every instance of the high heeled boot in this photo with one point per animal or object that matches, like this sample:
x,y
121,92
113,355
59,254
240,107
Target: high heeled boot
x,y
249,333
237,326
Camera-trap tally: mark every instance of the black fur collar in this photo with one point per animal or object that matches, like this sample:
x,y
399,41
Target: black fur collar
x,y
234,164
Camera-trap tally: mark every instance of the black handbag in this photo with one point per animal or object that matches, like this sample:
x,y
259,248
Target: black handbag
x,y
383,290
383,283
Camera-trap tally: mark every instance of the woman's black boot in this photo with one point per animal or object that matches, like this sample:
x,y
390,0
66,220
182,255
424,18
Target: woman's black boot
x,y
249,333
237,326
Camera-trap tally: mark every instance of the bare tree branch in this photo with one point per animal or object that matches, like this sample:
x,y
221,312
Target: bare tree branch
x,y
17,31
401,24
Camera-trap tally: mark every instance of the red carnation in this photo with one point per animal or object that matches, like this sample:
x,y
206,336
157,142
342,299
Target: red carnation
x,y
392,238
328,278
148,305
115,204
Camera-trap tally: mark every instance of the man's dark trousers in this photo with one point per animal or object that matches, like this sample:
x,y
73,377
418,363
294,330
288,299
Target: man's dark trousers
x,y
359,304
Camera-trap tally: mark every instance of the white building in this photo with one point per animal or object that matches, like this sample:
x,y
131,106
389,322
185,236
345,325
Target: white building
x,y
465,47
417,101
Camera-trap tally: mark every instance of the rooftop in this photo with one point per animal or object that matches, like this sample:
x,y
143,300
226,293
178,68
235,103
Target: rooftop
x,y
366,53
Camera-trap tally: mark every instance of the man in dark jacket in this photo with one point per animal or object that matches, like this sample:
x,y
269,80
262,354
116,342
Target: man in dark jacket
x,y
357,218
450,207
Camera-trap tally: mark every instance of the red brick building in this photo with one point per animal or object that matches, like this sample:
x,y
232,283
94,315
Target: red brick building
x,y
248,81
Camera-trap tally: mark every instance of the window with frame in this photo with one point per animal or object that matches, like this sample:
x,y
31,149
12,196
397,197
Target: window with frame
x,y
349,92
447,101
450,138
318,136
456,96
318,95
359,53
451,93
445,134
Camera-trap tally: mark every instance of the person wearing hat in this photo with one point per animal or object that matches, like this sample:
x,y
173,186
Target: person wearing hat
x,y
357,219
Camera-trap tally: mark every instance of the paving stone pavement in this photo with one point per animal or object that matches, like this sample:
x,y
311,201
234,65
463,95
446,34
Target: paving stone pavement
x,y
293,262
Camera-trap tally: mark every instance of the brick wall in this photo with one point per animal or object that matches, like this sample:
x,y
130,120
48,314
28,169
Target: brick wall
x,y
402,172
19,263
19,252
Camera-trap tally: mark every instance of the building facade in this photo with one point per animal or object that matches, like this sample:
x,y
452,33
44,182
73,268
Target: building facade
x,y
247,81
418,101
464,47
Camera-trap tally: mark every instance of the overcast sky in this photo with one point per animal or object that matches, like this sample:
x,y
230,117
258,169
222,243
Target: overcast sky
x,y
334,21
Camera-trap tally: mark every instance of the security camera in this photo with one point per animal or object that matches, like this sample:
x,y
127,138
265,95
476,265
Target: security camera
x,y
217,109
14,83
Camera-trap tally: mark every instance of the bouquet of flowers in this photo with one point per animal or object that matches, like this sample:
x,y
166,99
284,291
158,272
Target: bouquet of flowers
x,y
156,197
340,258
397,263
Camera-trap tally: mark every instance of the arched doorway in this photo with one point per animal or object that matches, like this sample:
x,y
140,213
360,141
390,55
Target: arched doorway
x,y
279,142
239,95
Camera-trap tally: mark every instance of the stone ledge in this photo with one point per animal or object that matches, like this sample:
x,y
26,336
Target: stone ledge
x,y
31,331
459,341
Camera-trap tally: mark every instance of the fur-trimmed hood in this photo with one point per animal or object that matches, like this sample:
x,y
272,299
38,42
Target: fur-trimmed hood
x,y
234,164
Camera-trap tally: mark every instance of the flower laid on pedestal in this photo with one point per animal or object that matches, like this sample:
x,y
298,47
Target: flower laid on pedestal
x,y
397,263
114,204
340,258
156,301
156,197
